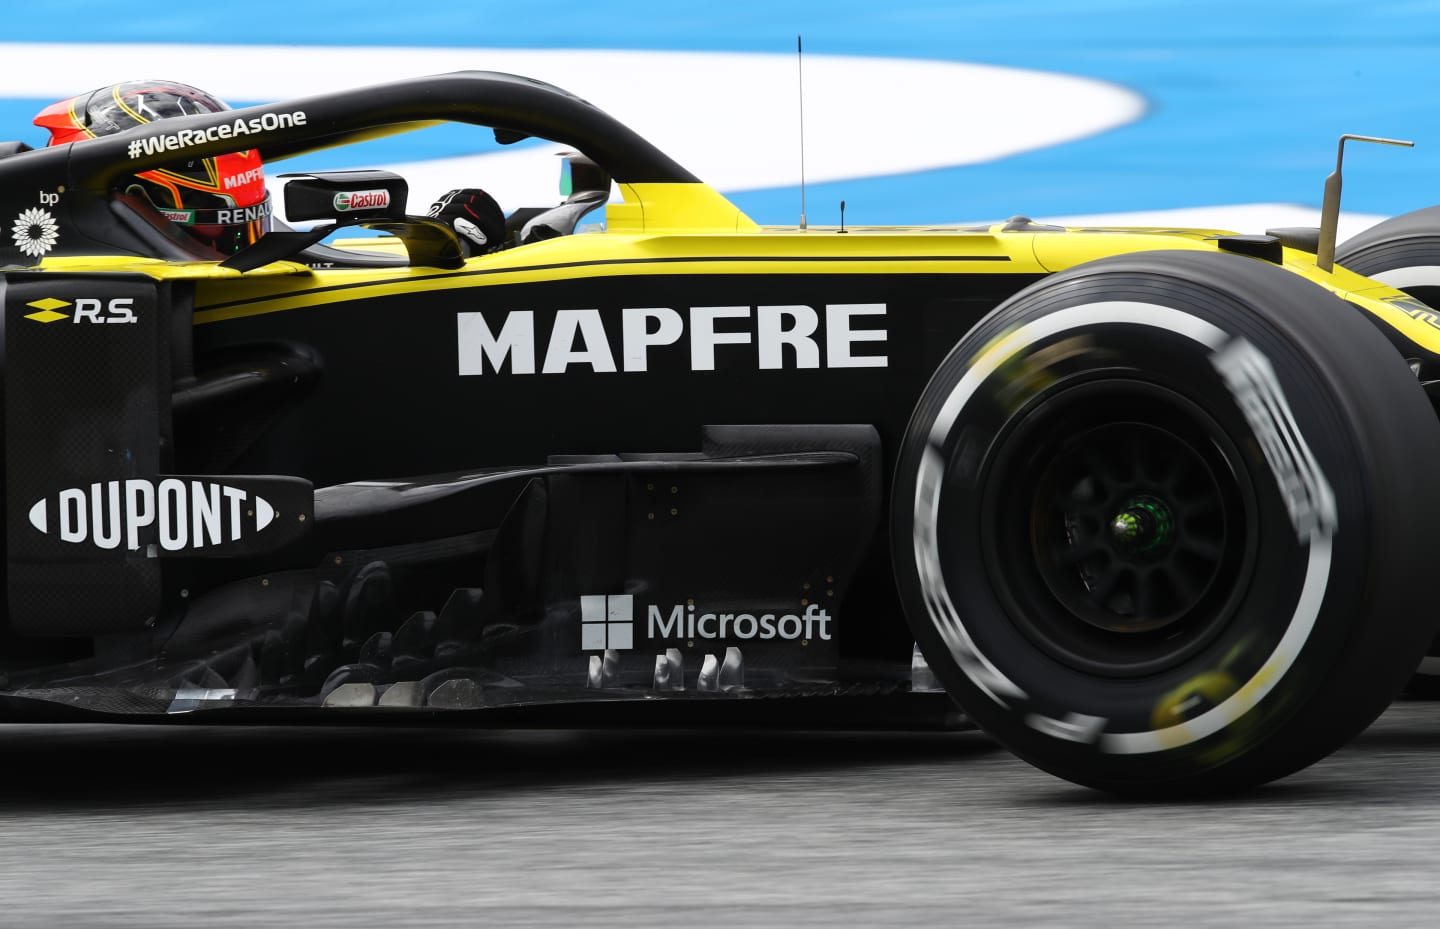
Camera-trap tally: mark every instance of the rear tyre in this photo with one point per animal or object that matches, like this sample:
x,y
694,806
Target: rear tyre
x,y
1159,523
1403,252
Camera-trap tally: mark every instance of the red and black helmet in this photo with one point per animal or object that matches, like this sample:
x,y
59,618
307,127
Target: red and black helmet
x,y
221,201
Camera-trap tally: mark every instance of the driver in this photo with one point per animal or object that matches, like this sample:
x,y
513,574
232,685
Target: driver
x,y
222,201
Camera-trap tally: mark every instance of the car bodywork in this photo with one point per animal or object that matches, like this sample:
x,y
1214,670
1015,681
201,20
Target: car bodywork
x,y
645,469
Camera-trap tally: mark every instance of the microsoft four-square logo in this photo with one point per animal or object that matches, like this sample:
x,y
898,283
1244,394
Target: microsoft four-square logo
x,y
607,622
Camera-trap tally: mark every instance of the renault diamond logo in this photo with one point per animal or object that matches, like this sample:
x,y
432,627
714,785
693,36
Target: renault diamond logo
x,y
97,310
47,308
607,622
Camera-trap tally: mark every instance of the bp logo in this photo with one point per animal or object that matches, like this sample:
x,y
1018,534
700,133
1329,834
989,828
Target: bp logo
x,y
35,232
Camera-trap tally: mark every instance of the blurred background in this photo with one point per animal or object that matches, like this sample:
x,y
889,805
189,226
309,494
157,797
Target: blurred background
x,y
1222,114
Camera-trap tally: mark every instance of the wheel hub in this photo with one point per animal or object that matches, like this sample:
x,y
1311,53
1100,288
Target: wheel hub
x,y
1144,525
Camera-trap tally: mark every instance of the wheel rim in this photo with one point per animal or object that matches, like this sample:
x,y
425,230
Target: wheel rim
x,y
1141,525
1118,525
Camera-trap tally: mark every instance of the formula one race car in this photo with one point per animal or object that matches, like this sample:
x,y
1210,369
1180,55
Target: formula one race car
x,y
1155,504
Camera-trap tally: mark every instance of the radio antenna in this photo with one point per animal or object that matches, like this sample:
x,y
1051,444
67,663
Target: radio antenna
x,y
800,74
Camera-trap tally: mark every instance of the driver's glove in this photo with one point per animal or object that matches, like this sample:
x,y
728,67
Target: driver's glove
x,y
475,217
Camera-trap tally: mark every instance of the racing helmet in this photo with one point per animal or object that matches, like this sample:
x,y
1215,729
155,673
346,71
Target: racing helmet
x,y
220,201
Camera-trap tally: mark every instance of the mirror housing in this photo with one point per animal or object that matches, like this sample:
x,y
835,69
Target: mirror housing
x,y
345,197
581,175
366,197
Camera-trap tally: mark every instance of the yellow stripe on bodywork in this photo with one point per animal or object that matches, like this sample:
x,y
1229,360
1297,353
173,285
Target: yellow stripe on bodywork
x,y
1382,301
1421,324
1060,251
691,229
617,255
673,208
162,270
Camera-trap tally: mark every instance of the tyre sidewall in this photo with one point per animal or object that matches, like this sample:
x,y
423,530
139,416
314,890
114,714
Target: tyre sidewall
x,y
1168,322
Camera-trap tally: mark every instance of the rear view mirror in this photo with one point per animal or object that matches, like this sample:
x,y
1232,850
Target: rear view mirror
x,y
345,196
370,198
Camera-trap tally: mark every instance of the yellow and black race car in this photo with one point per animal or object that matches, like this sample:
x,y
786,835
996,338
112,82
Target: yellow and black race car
x,y
1155,504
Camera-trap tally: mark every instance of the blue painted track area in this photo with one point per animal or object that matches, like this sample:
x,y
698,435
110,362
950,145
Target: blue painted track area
x,y
1244,102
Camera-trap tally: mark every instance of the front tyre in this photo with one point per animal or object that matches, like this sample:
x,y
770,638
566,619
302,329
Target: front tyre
x,y
1159,523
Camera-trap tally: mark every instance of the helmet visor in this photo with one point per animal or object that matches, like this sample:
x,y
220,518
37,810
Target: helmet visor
x,y
227,230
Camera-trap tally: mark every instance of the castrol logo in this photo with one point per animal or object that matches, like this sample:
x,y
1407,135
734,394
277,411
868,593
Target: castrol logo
x,y
351,200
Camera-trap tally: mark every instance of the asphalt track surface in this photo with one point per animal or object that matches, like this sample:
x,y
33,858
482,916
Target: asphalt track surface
x,y
151,826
